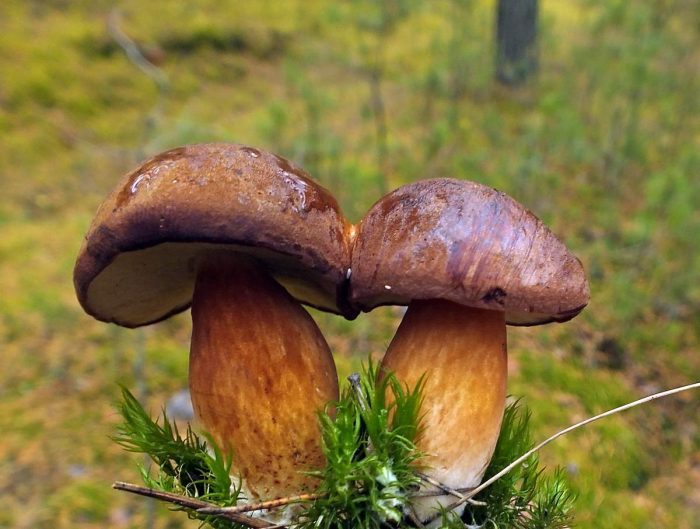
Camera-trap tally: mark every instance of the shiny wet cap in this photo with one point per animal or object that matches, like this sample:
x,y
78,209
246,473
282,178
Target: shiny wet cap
x,y
467,243
139,260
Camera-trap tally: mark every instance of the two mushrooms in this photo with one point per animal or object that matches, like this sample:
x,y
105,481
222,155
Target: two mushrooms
x,y
245,238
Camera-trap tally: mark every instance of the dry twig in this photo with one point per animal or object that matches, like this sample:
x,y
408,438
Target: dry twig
x,y
260,506
190,503
133,52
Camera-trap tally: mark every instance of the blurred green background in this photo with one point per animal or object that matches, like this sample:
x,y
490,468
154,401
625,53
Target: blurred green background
x,y
603,144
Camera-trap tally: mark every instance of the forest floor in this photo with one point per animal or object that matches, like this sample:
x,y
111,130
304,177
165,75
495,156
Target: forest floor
x,y
603,145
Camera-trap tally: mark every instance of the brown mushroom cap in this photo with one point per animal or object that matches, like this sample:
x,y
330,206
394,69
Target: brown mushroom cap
x,y
139,260
467,243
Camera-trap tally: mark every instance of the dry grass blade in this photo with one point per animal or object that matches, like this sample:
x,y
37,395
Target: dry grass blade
x,y
444,489
527,454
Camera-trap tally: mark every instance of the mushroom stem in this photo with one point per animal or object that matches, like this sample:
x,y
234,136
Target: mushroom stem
x,y
260,370
462,352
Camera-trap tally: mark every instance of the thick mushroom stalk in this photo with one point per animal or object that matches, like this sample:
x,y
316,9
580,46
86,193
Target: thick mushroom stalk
x,y
461,351
260,371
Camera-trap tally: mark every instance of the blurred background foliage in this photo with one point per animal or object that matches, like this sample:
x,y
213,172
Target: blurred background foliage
x,y
603,144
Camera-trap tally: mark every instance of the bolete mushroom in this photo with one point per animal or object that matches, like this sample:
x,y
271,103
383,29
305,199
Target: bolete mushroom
x,y
243,236
467,260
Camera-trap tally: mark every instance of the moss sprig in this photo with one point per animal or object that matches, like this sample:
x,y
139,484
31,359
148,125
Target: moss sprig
x,y
368,438
186,465
523,498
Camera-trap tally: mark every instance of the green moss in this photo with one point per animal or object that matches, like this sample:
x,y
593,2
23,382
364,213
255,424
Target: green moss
x,y
603,145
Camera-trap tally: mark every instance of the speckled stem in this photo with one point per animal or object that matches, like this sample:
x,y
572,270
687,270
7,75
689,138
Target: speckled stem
x,y
260,370
462,352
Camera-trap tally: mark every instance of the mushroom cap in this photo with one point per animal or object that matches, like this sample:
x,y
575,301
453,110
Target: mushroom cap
x,y
467,243
139,260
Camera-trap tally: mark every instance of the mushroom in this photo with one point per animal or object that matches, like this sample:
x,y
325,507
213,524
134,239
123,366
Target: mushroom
x,y
242,236
467,260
